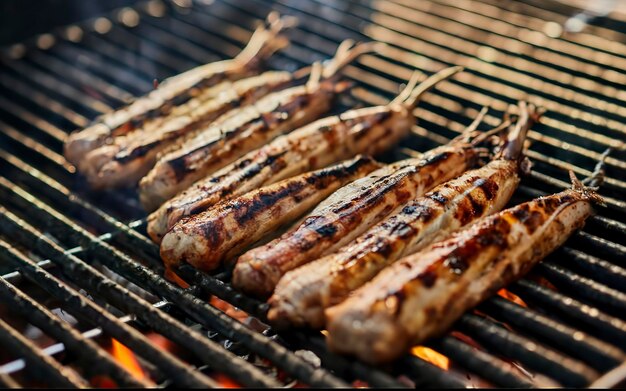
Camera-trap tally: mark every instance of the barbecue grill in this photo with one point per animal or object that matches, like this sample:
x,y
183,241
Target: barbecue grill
x,y
83,298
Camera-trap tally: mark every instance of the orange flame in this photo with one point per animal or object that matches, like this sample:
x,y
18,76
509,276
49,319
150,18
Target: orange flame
x,y
431,356
228,309
512,297
175,278
225,382
127,359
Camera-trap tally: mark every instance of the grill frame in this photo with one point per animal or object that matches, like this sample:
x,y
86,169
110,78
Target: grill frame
x,y
118,240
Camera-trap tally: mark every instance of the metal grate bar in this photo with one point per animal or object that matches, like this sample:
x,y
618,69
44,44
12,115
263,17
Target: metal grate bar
x,y
122,37
42,100
60,197
605,327
612,275
516,54
147,279
609,299
426,374
592,351
55,134
179,372
66,70
89,278
346,368
214,32
482,363
521,18
55,88
97,360
567,371
363,15
112,71
524,36
7,381
41,366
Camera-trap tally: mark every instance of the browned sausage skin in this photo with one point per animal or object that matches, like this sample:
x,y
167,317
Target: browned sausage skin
x,y
364,131
303,294
421,295
149,110
247,128
215,235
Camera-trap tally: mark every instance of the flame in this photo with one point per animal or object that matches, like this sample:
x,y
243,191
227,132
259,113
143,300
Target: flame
x,y
225,382
228,309
175,278
127,359
512,297
431,356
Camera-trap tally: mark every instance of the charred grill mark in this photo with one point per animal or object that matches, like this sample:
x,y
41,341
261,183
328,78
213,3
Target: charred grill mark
x,y
211,231
410,209
428,160
305,244
377,119
125,155
457,264
521,212
273,161
535,220
428,278
438,197
490,188
168,104
383,247
465,210
284,111
494,234
403,196
242,164
327,230
372,196
477,206
530,219
402,230
263,201
179,167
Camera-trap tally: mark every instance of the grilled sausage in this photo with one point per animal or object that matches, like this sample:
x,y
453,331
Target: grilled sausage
x,y
421,295
204,81
323,142
208,238
303,294
348,213
128,158
247,128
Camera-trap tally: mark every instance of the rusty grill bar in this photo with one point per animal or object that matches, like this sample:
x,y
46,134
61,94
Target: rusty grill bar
x,y
89,251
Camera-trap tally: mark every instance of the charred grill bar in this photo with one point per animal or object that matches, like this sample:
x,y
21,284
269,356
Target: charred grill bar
x,y
63,249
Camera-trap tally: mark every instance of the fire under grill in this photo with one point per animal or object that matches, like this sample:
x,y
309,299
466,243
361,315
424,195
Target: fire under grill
x,y
83,301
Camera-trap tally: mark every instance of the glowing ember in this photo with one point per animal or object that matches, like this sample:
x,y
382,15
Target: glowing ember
x,y
127,359
228,309
224,381
511,297
175,278
431,356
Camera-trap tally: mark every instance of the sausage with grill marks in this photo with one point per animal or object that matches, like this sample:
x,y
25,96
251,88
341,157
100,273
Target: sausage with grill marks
x,y
125,160
215,235
421,295
248,128
303,294
204,81
329,140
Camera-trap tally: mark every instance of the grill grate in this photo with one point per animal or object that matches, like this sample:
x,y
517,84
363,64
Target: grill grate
x,y
90,254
